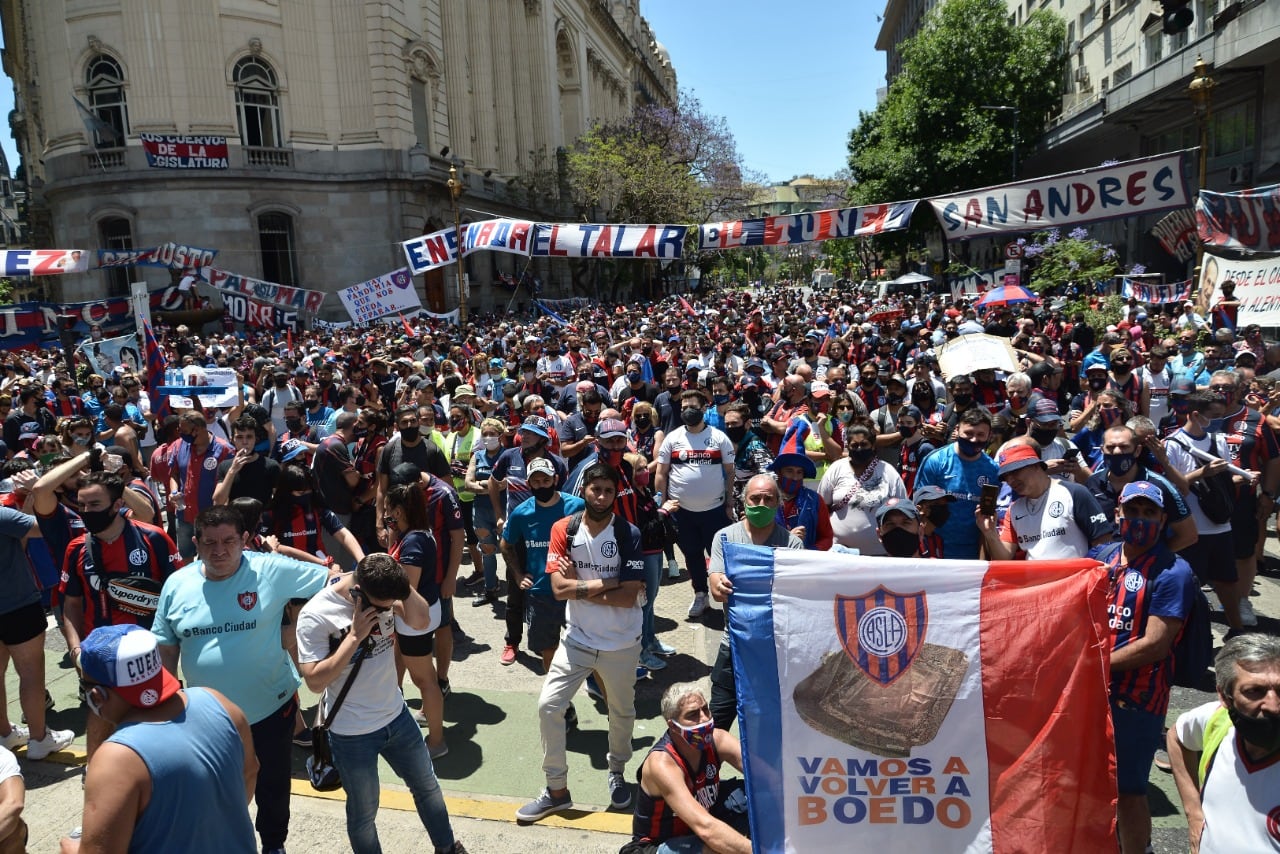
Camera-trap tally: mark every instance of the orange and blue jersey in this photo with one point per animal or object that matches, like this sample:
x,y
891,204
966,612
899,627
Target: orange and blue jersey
x,y
197,474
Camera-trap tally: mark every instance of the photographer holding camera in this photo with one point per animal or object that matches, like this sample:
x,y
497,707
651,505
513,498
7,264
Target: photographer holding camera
x,y
356,619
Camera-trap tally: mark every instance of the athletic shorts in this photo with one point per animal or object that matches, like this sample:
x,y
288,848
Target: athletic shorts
x,y
22,625
1137,739
416,646
1244,524
546,619
1208,558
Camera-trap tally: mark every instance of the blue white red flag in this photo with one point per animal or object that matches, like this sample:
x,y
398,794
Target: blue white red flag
x,y
922,705
156,364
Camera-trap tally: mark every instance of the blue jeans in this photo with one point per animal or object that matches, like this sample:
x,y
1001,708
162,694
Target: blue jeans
x,y
486,526
681,845
400,743
652,578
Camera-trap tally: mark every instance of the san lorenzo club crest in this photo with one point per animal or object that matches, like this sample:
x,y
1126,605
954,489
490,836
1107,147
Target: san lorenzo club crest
x,y
882,631
248,599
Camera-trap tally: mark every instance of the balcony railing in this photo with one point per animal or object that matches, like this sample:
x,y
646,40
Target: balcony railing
x,y
271,158
102,159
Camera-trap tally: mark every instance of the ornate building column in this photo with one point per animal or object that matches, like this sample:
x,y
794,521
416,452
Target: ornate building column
x,y
484,153
457,91
504,107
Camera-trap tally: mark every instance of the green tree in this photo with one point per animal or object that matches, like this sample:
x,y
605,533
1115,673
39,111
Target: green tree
x,y
1057,261
931,134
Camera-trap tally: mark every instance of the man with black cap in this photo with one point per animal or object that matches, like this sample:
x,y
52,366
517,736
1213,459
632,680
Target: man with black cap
x,y
1049,520
171,749
898,527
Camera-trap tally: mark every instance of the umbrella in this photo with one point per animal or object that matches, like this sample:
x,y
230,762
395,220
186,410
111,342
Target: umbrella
x,y
1006,295
968,353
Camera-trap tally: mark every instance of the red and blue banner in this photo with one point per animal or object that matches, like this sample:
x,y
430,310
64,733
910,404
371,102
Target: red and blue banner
x,y
175,256
1146,185
920,705
441,247
1153,294
166,151
1248,221
30,325
258,315
586,240
43,262
806,227
281,295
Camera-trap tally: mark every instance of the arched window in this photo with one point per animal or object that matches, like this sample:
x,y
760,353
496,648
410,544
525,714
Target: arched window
x,y
275,239
105,83
257,103
116,233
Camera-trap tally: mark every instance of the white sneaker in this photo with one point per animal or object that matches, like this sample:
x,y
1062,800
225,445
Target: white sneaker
x,y
673,569
1247,617
53,741
18,736
698,607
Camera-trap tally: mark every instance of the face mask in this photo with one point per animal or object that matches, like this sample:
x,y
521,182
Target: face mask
x,y
698,737
491,443
691,416
759,515
281,383
938,515
455,422
189,438
590,417
1139,533
530,449
1263,732
611,457
838,385
543,494
720,398
1121,367
899,542
968,447
642,478
262,447
790,485
82,441
294,424
1186,348
1097,383
736,434
862,456
1108,417
634,379
410,434
894,397
1179,408
643,422
907,432
807,353
1119,464
312,404
869,380
303,501
962,401
1044,438
360,432
598,515
98,521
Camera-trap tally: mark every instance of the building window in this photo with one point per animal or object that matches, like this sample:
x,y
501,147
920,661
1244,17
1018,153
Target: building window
x,y
1155,47
257,103
275,239
105,83
116,233
1233,132
421,112
1123,73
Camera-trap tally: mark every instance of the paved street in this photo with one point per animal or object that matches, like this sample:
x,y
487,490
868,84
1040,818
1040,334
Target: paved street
x,y
494,762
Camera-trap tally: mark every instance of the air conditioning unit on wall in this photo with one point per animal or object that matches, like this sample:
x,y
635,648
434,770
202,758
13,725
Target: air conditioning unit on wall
x,y
1240,175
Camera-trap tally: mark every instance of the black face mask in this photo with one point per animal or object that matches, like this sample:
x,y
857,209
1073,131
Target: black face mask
x,y
543,494
962,400
531,449
938,515
1263,732
691,416
736,434
899,542
97,521
295,425
410,434
642,422
862,456
1097,383
312,404
1044,437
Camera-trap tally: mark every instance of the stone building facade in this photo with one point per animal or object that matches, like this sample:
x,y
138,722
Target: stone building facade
x,y
341,121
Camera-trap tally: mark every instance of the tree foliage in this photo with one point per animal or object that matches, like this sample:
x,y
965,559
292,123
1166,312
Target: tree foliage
x,y
930,135
1078,259
660,165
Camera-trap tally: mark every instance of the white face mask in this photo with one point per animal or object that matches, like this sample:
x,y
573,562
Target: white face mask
x,y
491,443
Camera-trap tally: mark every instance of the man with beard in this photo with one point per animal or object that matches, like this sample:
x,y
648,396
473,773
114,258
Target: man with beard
x,y
595,565
578,431
1224,753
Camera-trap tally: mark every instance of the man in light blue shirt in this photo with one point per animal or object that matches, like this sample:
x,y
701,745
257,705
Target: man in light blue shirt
x,y
221,616
1189,362
962,469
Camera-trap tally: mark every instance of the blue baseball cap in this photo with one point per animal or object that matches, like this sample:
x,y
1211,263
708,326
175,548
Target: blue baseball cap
x,y
1142,489
537,425
127,659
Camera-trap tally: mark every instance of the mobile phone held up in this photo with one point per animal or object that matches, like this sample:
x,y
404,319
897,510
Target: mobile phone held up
x,y
987,502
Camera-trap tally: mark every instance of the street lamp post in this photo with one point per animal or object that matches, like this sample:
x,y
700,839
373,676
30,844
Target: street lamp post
x,y
1200,91
1013,145
455,192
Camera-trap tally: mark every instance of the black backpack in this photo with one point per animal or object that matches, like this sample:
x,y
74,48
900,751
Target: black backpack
x,y
1217,494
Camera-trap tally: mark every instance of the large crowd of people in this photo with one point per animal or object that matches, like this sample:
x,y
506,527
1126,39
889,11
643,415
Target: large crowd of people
x,y
587,450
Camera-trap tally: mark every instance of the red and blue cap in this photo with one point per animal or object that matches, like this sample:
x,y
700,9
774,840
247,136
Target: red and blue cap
x,y
791,452
1142,489
1012,457
127,659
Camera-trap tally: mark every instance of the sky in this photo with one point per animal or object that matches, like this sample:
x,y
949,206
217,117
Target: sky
x,y
789,78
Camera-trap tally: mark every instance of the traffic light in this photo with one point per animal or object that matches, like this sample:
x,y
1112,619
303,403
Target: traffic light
x,y
1177,15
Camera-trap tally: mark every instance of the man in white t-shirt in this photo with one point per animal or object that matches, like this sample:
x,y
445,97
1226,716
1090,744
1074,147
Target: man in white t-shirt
x,y
554,369
595,565
1050,519
1157,376
1232,795
354,620
695,463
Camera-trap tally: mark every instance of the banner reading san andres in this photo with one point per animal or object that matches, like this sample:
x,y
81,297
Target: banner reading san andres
x,y
922,706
